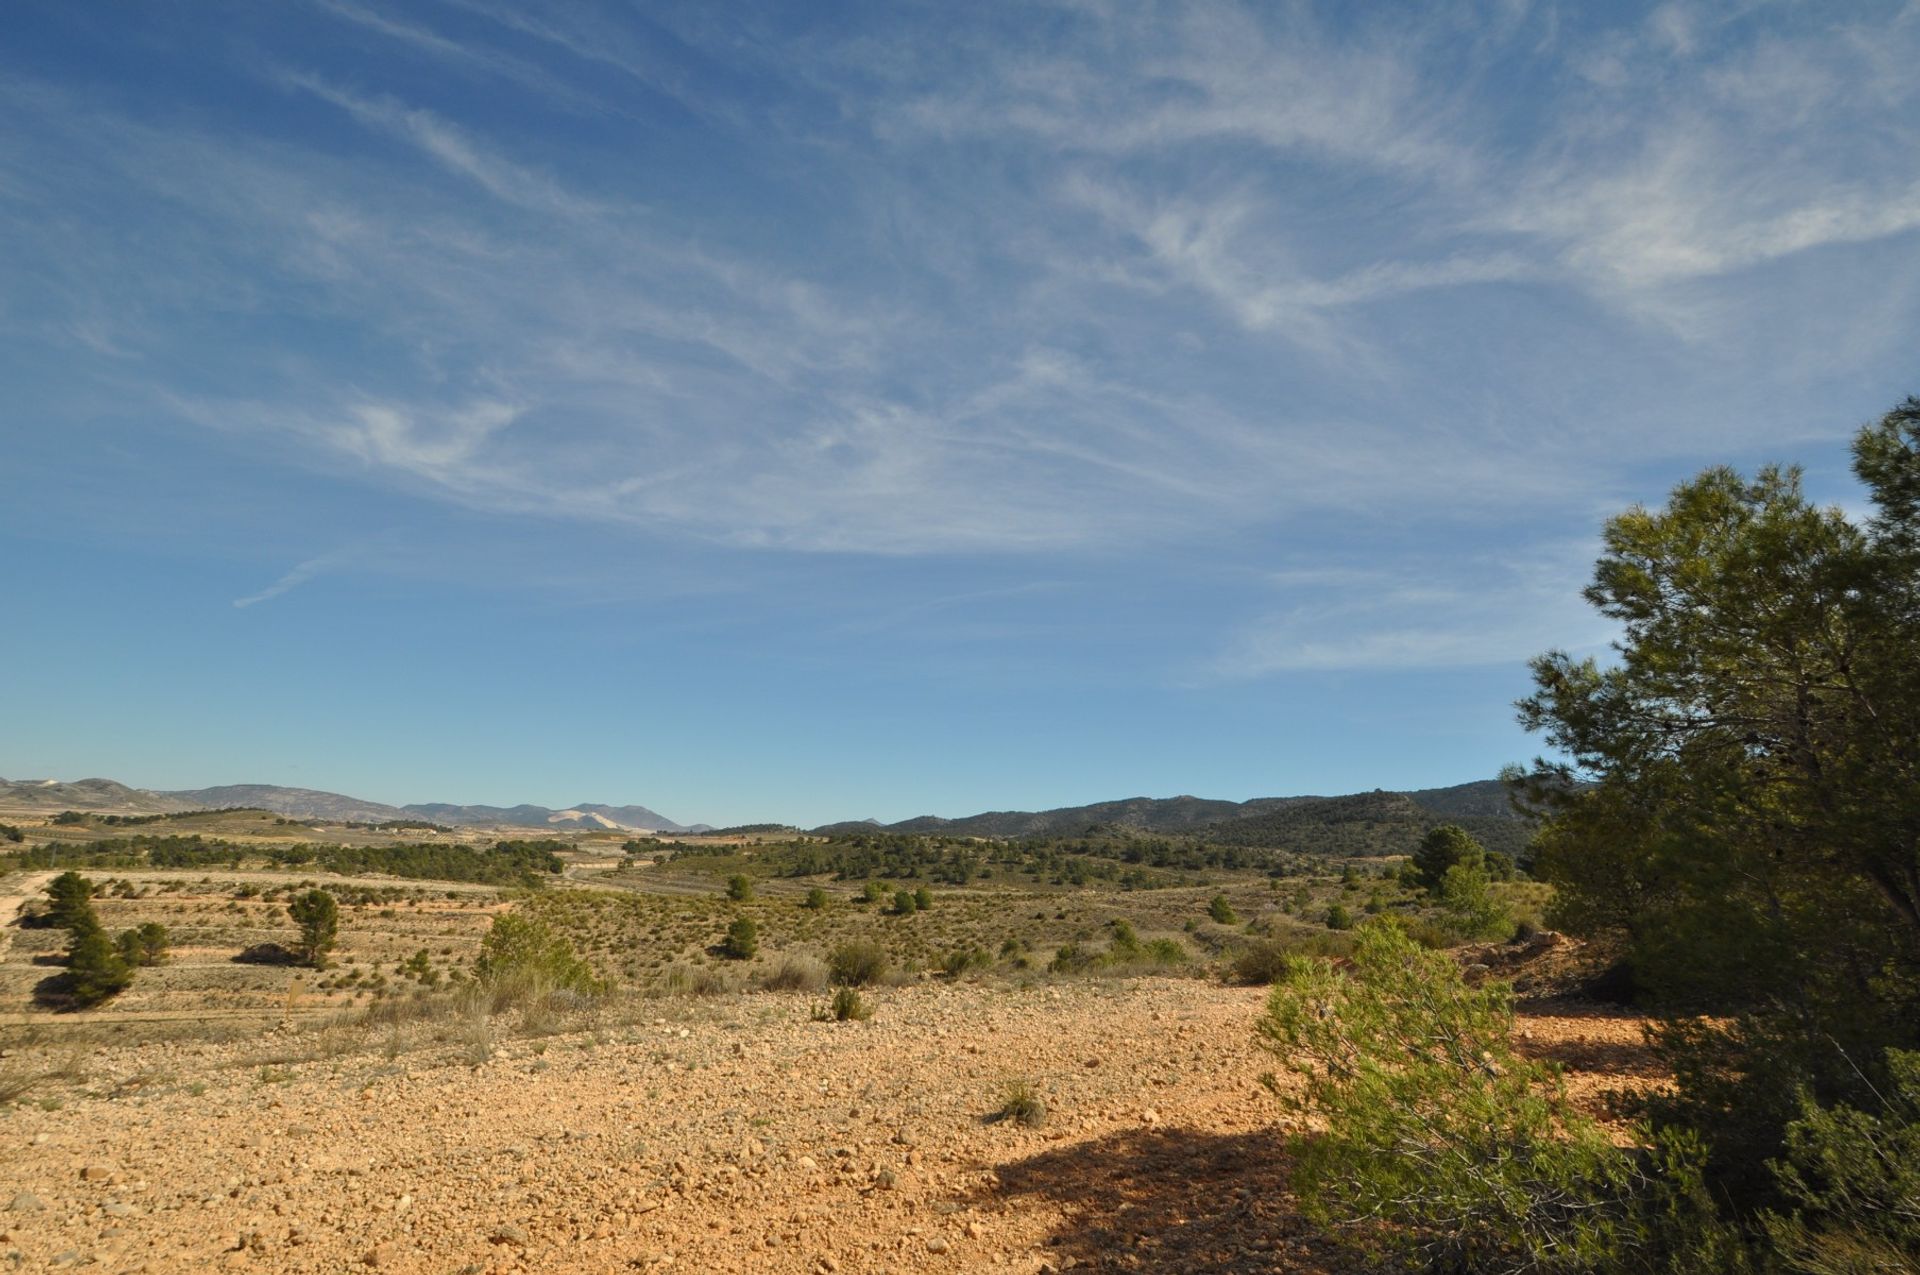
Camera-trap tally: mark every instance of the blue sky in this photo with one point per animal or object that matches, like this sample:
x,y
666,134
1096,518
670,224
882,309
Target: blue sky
x,y
824,411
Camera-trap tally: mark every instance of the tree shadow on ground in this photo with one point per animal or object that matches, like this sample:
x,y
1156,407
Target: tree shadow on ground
x,y
1172,1200
1618,1058
55,992
268,954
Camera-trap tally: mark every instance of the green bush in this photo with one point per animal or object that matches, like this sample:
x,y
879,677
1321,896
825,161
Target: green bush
x,y
795,973
857,963
1259,962
960,960
1221,910
1021,1103
846,1006
70,901
144,945
1468,904
521,959
1853,1178
904,903
1071,958
1435,1126
816,899
742,940
317,913
1164,952
739,888
923,898
95,968
1338,918
1442,849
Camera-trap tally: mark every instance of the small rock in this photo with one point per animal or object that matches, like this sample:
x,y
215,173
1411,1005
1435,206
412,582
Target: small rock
x,y
937,1245
27,1202
95,1173
508,1233
387,1254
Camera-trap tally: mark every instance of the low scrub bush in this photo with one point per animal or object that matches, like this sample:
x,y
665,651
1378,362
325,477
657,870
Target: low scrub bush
x,y
846,1006
144,944
1469,1153
742,940
681,979
1853,1179
1021,1103
522,961
858,963
795,972
960,960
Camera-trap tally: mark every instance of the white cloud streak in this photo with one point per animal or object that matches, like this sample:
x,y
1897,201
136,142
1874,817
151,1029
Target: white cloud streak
x,y
293,579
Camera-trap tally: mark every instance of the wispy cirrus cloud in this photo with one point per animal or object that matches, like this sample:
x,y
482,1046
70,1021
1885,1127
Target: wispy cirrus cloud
x,y
298,575
1097,282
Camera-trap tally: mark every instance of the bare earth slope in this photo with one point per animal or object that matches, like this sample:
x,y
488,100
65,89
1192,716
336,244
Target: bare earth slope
x,y
727,1135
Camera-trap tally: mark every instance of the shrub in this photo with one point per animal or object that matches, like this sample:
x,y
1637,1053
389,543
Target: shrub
x,y
1021,1103
521,959
872,892
1259,962
1071,958
1434,1125
904,904
857,963
680,979
795,973
739,888
70,901
1469,905
1221,910
317,914
959,961
742,941
923,898
95,968
1444,848
1853,1178
816,898
1338,918
1164,952
846,1006
144,945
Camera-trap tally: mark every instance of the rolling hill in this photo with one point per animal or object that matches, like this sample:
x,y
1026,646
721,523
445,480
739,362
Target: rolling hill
x,y
1375,823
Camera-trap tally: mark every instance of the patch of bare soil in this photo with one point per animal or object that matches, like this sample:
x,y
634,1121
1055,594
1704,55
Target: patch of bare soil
x,y
725,1135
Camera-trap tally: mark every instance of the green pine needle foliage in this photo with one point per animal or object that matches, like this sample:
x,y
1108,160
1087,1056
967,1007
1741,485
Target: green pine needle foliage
x,y
1440,1142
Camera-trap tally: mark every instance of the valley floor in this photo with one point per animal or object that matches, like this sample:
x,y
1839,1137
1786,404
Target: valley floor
x,y
731,1134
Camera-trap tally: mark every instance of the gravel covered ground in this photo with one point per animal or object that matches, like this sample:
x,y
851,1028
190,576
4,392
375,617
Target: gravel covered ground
x,y
724,1135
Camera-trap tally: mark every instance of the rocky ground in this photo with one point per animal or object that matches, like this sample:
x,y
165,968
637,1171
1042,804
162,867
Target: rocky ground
x,y
732,1134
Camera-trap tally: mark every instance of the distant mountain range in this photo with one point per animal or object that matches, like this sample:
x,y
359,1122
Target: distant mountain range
x,y
106,796
1377,822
